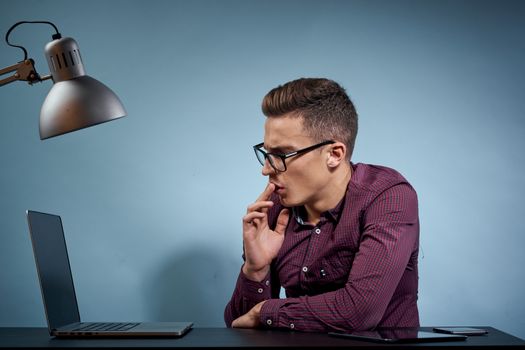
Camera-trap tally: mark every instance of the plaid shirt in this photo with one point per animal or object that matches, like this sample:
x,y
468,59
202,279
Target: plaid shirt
x,y
355,270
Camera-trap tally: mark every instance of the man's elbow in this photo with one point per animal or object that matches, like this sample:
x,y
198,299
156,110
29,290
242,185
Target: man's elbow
x,y
228,318
364,320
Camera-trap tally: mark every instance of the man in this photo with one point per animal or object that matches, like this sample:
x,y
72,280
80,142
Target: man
x,y
342,239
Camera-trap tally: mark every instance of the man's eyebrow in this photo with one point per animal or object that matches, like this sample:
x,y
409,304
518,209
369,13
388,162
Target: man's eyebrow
x,y
280,149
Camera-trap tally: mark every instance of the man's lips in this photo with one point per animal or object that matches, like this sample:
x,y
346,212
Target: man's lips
x,y
278,188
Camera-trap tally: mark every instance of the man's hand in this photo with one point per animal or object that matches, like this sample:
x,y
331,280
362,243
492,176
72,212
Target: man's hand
x,y
249,319
261,244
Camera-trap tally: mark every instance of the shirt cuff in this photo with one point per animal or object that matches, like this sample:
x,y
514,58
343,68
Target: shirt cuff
x,y
269,315
253,291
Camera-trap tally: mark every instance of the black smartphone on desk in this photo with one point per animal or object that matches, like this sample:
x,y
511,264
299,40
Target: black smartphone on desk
x,y
460,330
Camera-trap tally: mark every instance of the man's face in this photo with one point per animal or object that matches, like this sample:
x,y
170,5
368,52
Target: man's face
x,y
306,173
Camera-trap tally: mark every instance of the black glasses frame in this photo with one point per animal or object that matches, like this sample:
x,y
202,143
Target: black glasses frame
x,y
258,150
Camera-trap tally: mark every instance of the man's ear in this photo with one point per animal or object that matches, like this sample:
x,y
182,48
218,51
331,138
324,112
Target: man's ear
x,y
336,155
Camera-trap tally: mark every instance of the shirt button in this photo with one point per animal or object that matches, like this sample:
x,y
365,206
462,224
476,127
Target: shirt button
x,y
269,322
305,269
292,326
260,290
318,230
267,283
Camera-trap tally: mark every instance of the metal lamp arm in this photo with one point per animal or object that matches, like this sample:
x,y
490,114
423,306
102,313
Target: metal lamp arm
x,y
24,70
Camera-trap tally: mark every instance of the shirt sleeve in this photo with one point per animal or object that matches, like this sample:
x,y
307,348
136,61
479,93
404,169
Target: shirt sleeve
x,y
246,295
390,235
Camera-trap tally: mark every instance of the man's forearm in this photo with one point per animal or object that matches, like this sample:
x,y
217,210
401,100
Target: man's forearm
x,y
246,295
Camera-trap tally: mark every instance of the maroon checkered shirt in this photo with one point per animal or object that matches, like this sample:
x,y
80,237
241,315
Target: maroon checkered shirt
x,y
355,270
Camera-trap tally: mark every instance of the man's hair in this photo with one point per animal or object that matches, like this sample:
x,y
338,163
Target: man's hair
x,y
327,111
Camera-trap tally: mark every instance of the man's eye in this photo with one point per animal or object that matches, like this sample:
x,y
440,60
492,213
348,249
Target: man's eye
x,y
277,151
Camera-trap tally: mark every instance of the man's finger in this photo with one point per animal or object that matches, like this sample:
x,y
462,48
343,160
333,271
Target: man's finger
x,y
282,221
259,206
241,322
248,218
267,192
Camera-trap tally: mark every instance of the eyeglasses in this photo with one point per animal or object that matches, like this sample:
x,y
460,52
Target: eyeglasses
x,y
277,160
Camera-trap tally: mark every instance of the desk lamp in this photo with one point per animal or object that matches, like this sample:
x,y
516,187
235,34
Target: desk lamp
x,y
76,100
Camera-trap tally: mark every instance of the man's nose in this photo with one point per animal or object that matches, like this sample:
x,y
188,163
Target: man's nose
x,y
267,169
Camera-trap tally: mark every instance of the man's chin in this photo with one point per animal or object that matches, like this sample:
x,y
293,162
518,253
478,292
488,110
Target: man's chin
x,y
287,201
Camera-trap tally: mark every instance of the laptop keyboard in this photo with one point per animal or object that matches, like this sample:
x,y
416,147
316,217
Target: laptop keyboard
x,y
104,326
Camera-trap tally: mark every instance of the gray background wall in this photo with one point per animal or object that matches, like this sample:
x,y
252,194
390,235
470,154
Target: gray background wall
x,y
152,203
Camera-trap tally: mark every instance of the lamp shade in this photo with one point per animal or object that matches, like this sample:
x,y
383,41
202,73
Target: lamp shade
x,y
76,104
76,100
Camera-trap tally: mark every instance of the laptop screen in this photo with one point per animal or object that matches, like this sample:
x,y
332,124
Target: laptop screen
x,y
54,273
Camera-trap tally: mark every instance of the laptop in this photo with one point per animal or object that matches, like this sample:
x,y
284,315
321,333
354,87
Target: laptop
x,y
58,291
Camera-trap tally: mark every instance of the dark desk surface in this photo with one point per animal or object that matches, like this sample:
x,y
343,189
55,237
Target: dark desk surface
x,y
223,337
